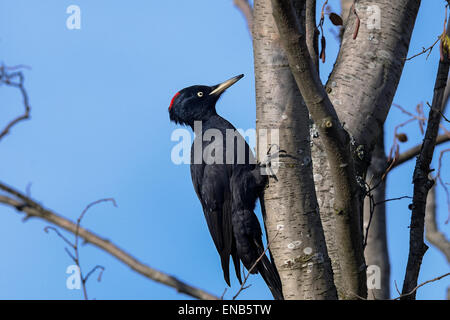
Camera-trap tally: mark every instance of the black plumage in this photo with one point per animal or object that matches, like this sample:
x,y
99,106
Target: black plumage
x,y
227,181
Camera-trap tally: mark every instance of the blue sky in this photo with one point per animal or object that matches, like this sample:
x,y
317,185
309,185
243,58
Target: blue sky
x,y
99,128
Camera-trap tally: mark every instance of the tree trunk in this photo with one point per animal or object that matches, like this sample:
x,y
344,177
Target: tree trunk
x,y
376,250
362,86
292,217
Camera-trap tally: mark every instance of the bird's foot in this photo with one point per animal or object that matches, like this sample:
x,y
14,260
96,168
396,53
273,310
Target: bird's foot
x,y
266,165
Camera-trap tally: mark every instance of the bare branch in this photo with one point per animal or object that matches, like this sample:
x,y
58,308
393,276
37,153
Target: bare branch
x,y
9,80
312,33
413,291
97,267
373,204
422,184
59,235
432,233
376,249
393,199
76,258
414,151
33,209
247,11
424,50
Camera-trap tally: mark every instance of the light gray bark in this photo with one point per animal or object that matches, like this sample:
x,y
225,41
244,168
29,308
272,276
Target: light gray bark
x,y
362,111
376,250
345,9
292,217
347,206
372,63
432,233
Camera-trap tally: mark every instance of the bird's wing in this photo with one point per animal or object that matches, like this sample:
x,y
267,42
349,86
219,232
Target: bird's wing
x,y
215,196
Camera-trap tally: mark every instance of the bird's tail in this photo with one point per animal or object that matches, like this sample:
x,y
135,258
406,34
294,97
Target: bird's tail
x,y
263,211
270,275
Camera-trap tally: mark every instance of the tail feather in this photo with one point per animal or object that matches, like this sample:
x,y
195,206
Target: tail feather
x,y
263,211
278,295
236,261
225,262
271,277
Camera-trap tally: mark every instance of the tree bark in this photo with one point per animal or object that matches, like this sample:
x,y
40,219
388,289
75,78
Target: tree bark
x,y
372,63
292,218
422,183
376,250
432,233
347,207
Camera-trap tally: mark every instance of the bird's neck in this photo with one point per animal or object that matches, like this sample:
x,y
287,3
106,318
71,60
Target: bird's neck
x,y
206,123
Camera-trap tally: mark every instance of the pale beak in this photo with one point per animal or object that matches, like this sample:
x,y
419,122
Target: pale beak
x,y
220,88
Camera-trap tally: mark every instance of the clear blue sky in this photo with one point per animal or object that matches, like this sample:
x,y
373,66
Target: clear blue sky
x,y
100,128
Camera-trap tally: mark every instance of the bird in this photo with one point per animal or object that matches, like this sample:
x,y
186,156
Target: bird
x,y
227,180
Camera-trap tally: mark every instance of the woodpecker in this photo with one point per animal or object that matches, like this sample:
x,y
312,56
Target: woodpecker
x,y
228,185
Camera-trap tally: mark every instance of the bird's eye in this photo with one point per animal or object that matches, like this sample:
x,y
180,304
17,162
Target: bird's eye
x,y
200,94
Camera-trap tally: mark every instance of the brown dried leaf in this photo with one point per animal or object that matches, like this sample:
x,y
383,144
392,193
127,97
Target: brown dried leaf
x,y
322,51
402,137
336,19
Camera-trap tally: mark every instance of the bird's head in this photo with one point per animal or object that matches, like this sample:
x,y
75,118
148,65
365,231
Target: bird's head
x,y
197,103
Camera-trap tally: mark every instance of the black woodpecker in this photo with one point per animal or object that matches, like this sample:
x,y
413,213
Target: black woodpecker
x,y
228,186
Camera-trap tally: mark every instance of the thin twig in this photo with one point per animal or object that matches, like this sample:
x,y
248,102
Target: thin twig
x,y
420,285
77,254
8,79
76,257
392,199
47,228
372,205
414,151
430,48
246,9
440,112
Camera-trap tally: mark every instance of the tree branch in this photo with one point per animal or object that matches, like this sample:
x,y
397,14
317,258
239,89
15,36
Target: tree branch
x,y
413,291
8,79
414,151
373,63
247,11
432,233
312,33
33,209
375,241
422,183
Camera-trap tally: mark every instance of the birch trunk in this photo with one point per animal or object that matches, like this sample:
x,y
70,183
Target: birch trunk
x,y
292,217
362,86
376,250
